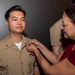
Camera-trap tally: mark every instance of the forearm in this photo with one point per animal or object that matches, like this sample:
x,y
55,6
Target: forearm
x,y
56,50
42,61
53,58
62,68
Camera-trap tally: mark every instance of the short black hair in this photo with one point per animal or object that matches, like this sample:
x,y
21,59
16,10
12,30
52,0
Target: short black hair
x,y
14,8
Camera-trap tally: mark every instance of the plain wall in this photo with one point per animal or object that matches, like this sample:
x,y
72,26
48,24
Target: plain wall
x,y
41,15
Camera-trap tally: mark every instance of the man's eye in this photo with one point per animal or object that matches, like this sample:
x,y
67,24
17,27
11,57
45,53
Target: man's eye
x,y
23,19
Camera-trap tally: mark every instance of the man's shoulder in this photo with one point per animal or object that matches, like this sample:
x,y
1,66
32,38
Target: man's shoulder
x,y
59,22
4,40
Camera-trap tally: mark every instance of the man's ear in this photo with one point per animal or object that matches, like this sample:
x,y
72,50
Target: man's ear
x,y
6,23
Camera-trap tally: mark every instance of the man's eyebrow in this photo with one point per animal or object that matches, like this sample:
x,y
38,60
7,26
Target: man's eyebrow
x,y
16,17
13,17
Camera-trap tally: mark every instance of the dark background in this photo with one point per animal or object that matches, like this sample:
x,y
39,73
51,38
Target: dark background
x,y
41,15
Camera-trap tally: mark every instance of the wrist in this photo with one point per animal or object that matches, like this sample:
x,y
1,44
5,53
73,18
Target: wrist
x,y
36,52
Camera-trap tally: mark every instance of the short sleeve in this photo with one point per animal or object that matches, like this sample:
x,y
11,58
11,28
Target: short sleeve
x,y
55,33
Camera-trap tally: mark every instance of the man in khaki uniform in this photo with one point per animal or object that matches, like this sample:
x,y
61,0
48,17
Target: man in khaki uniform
x,y
13,53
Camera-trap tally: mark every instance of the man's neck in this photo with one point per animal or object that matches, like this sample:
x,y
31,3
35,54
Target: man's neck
x,y
16,38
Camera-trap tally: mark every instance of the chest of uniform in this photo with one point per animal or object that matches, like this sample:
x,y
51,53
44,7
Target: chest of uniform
x,y
14,56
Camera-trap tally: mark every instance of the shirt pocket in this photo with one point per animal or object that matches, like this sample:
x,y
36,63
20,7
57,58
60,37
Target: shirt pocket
x,y
12,58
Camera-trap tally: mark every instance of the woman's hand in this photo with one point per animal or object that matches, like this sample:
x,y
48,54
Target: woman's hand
x,y
31,47
37,43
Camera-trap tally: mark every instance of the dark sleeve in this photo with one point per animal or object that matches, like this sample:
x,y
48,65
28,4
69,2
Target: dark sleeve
x,y
71,58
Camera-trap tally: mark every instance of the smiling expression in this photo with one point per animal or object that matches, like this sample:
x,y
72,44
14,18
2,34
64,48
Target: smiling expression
x,y
16,22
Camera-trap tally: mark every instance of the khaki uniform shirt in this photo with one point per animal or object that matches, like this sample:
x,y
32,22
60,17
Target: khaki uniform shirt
x,y
56,35
17,62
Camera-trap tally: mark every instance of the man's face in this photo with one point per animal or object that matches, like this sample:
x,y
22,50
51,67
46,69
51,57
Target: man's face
x,y
16,22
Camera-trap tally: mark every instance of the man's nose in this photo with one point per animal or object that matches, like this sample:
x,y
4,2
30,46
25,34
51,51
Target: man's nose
x,y
19,22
